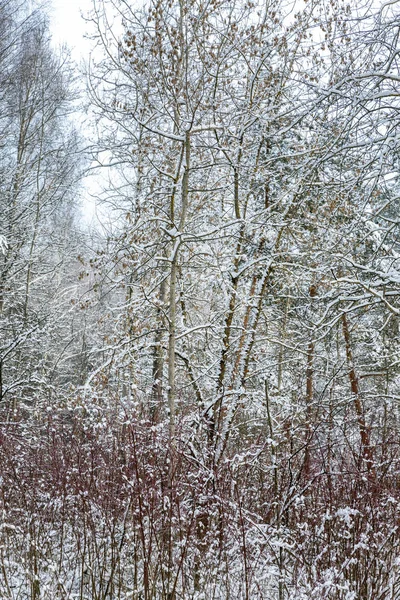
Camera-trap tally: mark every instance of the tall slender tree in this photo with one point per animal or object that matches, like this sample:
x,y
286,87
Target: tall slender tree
x,y
39,173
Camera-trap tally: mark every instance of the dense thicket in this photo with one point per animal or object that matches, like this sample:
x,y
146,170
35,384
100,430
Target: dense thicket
x,y
231,426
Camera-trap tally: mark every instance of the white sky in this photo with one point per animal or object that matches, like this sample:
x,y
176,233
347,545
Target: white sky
x,y
67,25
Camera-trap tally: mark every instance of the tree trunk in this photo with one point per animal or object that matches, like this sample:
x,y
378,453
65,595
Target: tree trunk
x,y
366,450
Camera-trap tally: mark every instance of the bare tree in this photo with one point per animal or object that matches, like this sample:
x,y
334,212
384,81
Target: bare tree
x,y
39,171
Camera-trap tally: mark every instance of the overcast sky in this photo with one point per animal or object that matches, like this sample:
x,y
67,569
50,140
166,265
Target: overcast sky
x,y
68,26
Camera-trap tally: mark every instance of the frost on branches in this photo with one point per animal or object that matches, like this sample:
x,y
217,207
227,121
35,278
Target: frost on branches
x,y
200,399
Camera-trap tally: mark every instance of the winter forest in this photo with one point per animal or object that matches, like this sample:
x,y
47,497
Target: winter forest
x,y
200,391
